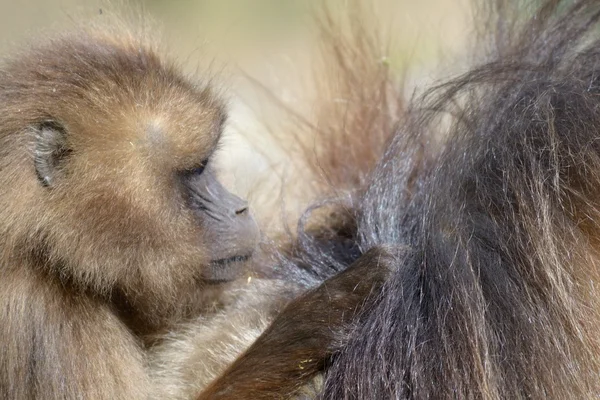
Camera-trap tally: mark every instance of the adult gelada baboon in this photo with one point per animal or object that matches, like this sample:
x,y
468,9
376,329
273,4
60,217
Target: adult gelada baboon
x,y
494,292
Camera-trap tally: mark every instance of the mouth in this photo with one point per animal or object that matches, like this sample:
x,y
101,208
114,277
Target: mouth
x,y
225,269
231,260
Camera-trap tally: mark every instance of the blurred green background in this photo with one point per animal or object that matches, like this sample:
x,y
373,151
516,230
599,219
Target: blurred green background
x,y
422,30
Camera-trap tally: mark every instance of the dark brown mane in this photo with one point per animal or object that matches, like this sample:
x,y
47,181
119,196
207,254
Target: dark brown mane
x,y
497,294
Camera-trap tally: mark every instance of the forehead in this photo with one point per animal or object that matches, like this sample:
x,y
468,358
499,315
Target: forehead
x,y
165,126
140,104
182,127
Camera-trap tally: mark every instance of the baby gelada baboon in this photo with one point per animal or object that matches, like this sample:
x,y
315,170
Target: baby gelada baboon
x,y
112,219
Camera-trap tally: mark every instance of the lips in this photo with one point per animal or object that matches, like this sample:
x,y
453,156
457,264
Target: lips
x,y
230,260
225,269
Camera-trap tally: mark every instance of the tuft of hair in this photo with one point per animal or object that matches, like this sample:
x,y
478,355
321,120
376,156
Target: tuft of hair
x,y
333,135
496,295
356,101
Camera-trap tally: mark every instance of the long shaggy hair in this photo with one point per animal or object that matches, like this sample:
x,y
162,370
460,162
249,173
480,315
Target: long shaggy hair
x,y
490,190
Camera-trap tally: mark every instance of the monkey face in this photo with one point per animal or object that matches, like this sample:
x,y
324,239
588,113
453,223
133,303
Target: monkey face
x,y
230,229
123,194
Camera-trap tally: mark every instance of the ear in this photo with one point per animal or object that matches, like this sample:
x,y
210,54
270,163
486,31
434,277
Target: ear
x,y
50,151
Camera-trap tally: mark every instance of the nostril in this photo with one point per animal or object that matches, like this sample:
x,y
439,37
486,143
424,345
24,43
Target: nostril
x,y
241,210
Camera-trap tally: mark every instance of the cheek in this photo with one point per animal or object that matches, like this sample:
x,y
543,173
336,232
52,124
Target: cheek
x,y
126,222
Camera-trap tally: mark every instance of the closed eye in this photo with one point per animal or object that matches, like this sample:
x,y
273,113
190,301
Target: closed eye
x,y
197,170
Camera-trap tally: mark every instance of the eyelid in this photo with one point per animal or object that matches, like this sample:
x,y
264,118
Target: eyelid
x,y
197,169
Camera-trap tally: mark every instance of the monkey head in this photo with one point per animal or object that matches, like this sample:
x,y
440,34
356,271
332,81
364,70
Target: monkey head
x,y
105,164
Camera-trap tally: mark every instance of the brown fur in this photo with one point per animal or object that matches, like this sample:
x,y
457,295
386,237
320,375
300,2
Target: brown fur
x,y
106,249
103,261
358,106
495,295
196,352
304,335
82,82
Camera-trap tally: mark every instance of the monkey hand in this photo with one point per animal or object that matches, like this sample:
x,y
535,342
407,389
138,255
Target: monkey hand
x,y
299,341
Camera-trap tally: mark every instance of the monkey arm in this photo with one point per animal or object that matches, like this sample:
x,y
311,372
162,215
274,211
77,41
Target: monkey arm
x,y
196,352
59,345
297,344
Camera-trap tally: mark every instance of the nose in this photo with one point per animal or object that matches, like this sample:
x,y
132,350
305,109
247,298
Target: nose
x,y
244,222
242,210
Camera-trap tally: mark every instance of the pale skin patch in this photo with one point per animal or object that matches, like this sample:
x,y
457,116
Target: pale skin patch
x,y
155,136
